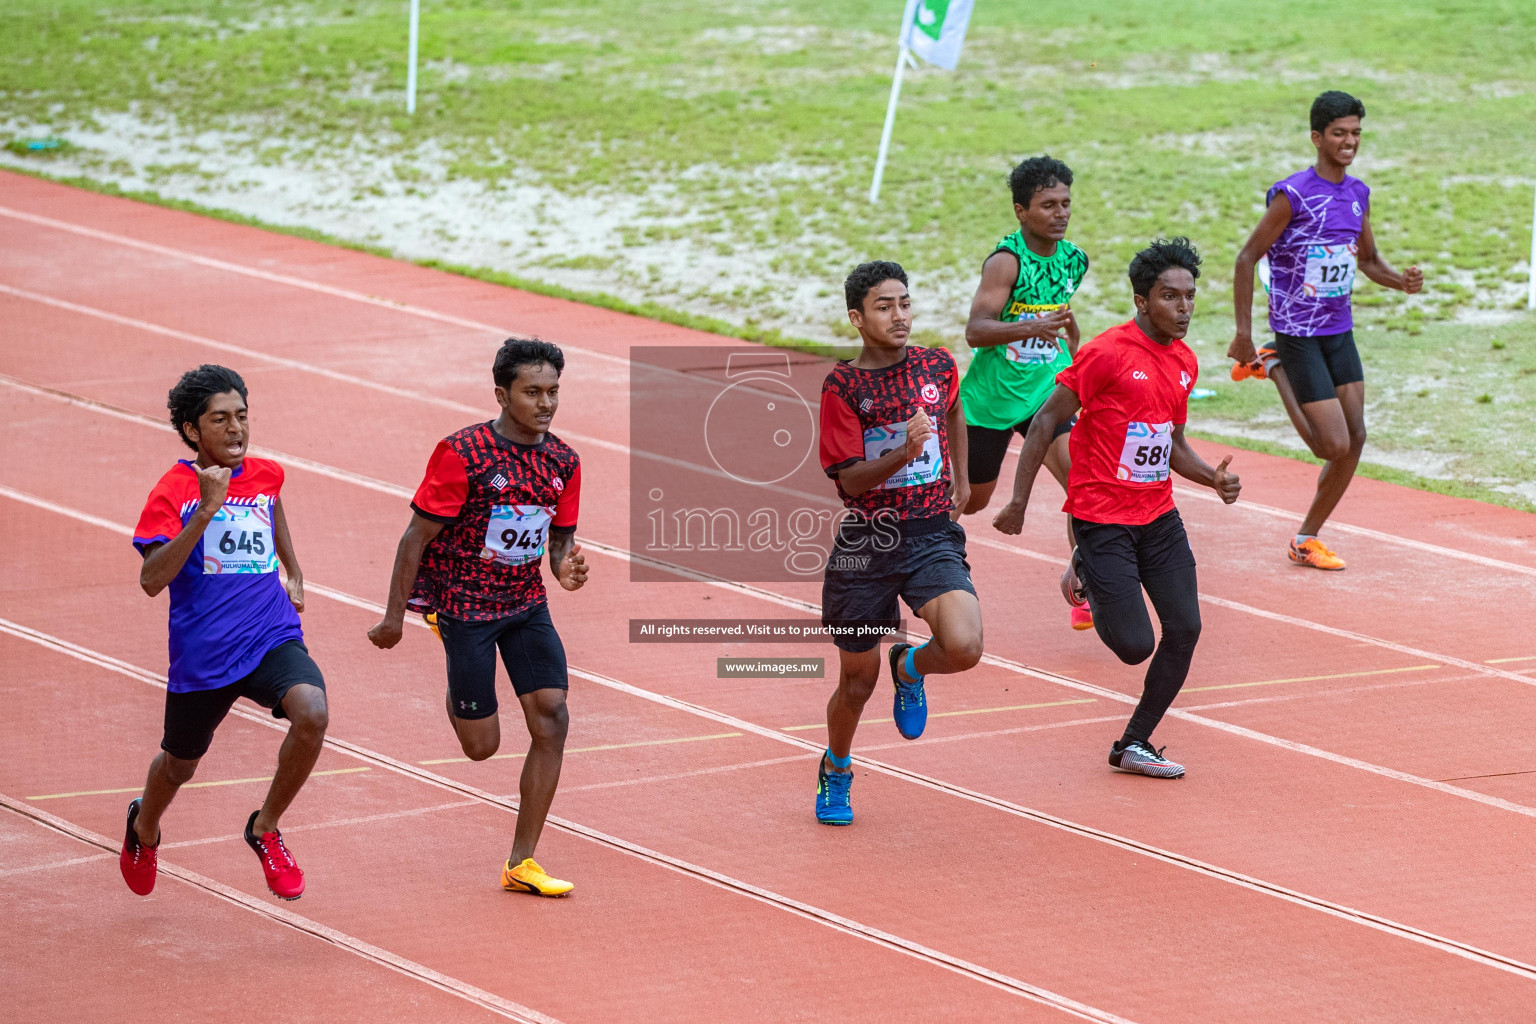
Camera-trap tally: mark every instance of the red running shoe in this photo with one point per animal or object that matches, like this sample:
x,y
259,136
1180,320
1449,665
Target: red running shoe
x,y
284,876
140,863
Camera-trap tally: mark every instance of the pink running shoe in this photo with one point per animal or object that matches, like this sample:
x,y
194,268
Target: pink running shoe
x,y
284,876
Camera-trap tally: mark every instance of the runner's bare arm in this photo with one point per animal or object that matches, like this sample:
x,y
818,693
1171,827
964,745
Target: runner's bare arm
x,y
960,486
1059,408
868,474
413,542
984,329
284,541
163,561
566,561
1190,466
1271,225
1374,267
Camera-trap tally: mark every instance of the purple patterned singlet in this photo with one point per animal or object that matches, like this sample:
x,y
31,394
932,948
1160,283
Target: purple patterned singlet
x,y
1312,263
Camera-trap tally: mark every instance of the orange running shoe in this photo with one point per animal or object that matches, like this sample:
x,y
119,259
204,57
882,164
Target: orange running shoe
x,y
529,877
1315,553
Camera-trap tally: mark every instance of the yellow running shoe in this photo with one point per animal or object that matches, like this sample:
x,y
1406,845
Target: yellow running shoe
x,y
1315,553
529,877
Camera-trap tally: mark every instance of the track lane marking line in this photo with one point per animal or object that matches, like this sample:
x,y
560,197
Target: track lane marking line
x,y
192,785
1375,922
953,714
588,750
1256,507
1309,679
837,922
283,916
1005,663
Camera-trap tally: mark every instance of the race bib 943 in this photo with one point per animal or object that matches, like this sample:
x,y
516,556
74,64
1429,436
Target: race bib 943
x,y
925,469
239,540
516,533
1144,458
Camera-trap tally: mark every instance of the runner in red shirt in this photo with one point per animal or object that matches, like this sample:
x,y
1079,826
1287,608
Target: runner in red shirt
x,y
213,532
892,435
1132,384
495,496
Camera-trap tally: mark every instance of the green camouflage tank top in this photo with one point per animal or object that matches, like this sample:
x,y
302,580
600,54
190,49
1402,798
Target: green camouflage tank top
x,y
1007,384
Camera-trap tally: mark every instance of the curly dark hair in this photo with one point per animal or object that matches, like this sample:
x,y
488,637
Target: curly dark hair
x,y
189,399
1036,173
865,276
1163,254
515,353
1331,106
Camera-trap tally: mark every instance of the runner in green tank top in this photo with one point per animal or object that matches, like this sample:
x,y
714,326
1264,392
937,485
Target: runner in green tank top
x,y
1023,333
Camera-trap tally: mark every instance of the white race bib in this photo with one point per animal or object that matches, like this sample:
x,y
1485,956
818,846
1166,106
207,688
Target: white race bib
x,y
516,533
925,469
239,540
1033,350
1330,271
1145,457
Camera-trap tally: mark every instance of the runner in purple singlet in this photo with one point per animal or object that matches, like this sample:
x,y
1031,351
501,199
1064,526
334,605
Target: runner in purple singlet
x,y
1316,233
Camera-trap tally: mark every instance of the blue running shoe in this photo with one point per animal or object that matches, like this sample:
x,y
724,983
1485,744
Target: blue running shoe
x,y
833,806
910,709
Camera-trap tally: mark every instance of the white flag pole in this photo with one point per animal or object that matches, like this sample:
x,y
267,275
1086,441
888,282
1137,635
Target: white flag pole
x,y
410,74
1530,296
890,122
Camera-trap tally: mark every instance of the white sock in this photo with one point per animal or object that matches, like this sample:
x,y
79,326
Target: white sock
x,y
1302,538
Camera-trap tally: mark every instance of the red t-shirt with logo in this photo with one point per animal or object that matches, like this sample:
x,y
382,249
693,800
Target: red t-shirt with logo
x,y
499,501
1133,392
864,415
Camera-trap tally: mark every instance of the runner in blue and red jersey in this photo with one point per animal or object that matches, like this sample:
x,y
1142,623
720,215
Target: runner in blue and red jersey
x,y
214,532
495,497
893,438
1316,234
1132,386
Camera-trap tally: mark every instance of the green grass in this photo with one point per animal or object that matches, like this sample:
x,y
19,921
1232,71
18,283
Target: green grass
x,y
747,129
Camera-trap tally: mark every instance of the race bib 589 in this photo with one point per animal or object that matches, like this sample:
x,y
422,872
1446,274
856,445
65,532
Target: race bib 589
x,y
1147,451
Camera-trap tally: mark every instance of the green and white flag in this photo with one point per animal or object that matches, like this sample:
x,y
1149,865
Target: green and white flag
x,y
935,30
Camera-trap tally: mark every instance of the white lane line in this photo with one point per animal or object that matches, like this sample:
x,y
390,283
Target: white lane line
x,y
996,661
1329,907
1439,550
837,922
283,916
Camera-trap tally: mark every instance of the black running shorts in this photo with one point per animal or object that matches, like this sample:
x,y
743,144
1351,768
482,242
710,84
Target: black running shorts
x,y
865,575
986,446
1317,367
191,718
530,649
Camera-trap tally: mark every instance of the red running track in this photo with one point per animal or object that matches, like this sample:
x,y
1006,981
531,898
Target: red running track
x,y
1353,841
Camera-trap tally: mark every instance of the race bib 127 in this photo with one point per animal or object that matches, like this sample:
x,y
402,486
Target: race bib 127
x,y
1330,271
516,533
925,469
1144,458
239,540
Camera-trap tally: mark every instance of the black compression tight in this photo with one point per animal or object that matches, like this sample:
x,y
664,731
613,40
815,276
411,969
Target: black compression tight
x,y
1125,628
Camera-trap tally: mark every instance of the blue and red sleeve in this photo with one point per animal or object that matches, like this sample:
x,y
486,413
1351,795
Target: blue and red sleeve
x,y
161,522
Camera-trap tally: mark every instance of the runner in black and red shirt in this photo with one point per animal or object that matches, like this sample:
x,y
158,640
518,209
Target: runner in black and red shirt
x,y
1132,384
892,435
495,496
